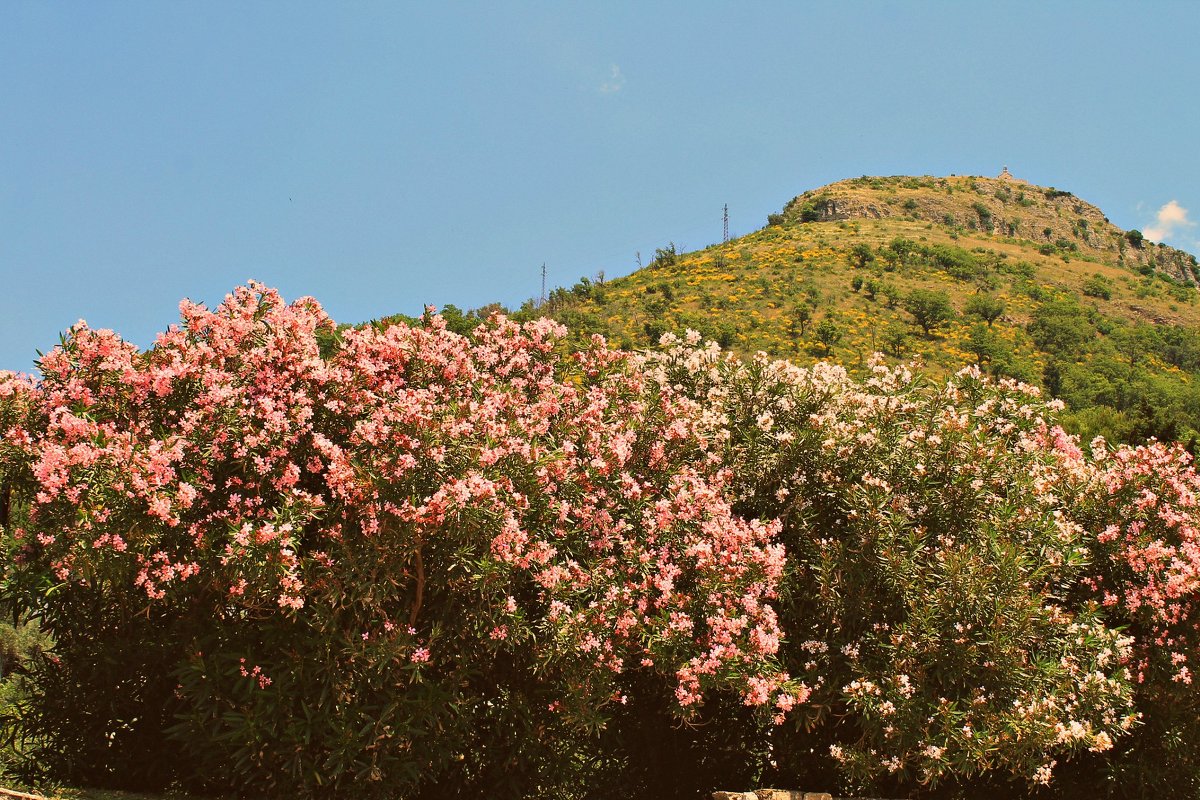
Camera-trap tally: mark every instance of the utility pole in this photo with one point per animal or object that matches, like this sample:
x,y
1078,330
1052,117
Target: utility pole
x,y
542,299
725,230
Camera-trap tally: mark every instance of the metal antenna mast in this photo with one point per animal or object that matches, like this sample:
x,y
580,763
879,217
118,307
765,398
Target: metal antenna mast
x,y
725,230
542,299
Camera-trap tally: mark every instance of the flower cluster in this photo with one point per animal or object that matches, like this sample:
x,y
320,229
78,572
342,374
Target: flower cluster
x,y
453,501
1145,507
931,542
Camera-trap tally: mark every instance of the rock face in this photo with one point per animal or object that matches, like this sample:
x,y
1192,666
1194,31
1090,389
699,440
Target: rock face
x,y
1004,206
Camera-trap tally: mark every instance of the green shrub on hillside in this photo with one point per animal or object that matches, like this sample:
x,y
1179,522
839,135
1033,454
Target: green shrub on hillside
x,y
1098,286
929,309
985,306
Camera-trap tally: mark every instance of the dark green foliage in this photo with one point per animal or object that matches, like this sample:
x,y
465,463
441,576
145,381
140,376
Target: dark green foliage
x,y
1134,343
860,255
479,731
890,293
650,754
665,256
21,645
1180,347
1183,294
829,333
1106,375
462,322
812,210
984,343
98,705
959,263
799,319
899,251
985,306
895,339
984,214
1021,269
1061,327
930,309
1098,286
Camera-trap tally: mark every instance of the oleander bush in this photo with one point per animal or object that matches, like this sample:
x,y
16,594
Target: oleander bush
x,y
277,558
418,563
931,554
1144,507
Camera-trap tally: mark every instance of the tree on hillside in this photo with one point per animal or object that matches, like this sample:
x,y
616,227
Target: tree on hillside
x,y
1061,327
801,315
860,255
895,339
665,256
828,334
983,343
1098,286
987,307
891,293
899,251
1134,343
459,321
929,309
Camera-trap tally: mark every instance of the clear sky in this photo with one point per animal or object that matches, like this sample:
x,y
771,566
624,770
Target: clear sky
x,y
382,156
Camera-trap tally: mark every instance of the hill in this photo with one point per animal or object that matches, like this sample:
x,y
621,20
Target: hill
x,y
1026,281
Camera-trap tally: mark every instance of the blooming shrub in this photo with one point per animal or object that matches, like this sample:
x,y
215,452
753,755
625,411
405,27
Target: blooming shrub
x,y
1144,506
421,564
353,566
931,551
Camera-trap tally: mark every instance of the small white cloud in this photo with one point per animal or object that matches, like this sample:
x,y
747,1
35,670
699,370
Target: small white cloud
x,y
614,82
1168,221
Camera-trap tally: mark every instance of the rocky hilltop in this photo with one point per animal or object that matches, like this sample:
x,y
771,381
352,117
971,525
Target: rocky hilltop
x,y
1005,206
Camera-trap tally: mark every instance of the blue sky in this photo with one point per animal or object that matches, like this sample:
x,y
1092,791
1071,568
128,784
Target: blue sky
x,y
381,156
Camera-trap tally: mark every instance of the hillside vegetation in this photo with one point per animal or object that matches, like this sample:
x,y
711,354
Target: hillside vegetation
x,y
1025,281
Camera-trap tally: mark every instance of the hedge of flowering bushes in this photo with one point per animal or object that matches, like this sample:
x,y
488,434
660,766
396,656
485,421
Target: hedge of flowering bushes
x,y
435,565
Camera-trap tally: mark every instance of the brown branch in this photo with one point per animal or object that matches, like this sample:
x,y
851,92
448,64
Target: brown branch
x,y
416,609
23,795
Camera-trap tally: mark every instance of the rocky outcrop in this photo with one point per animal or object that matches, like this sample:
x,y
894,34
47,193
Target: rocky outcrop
x,y
1052,220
